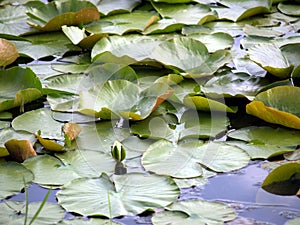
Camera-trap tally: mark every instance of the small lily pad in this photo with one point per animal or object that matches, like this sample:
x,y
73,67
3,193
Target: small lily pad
x,y
8,52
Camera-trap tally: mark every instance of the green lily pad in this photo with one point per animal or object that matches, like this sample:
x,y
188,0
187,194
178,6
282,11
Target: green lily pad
x,y
194,212
277,105
197,61
51,16
121,98
189,14
183,160
289,9
284,180
39,119
233,85
13,176
294,221
13,20
18,86
12,212
239,10
205,104
43,45
126,49
130,194
270,57
100,136
120,24
91,221
108,7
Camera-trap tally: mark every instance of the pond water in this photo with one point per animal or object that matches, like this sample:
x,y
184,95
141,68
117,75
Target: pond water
x,y
240,189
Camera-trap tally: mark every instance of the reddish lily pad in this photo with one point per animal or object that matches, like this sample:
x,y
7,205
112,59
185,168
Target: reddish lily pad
x,y
8,52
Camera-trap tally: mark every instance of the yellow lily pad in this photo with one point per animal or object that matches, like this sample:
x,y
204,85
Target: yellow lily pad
x,y
279,105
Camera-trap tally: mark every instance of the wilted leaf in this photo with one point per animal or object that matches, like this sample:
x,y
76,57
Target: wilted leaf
x,y
8,52
72,130
20,150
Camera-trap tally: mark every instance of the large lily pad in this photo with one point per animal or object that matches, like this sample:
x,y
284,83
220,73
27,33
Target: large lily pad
x,y
40,119
130,194
51,16
183,160
195,212
270,57
122,98
18,86
190,56
120,24
278,105
108,7
12,213
13,178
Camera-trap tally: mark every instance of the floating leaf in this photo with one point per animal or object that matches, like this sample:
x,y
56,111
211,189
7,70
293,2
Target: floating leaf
x,y
233,84
122,98
195,212
120,24
239,10
50,145
20,150
289,8
8,52
39,119
277,105
13,20
206,104
91,221
284,180
12,212
183,160
51,16
270,57
12,177
188,14
130,194
108,7
18,86
72,130
190,56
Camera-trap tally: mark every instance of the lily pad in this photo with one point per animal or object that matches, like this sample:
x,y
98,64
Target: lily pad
x,y
205,104
284,180
39,119
194,212
8,52
20,150
190,56
108,7
121,98
188,14
120,24
12,212
130,194
277,105
18,86
91,221
185,160
13,176
51,16
289,9
270,57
